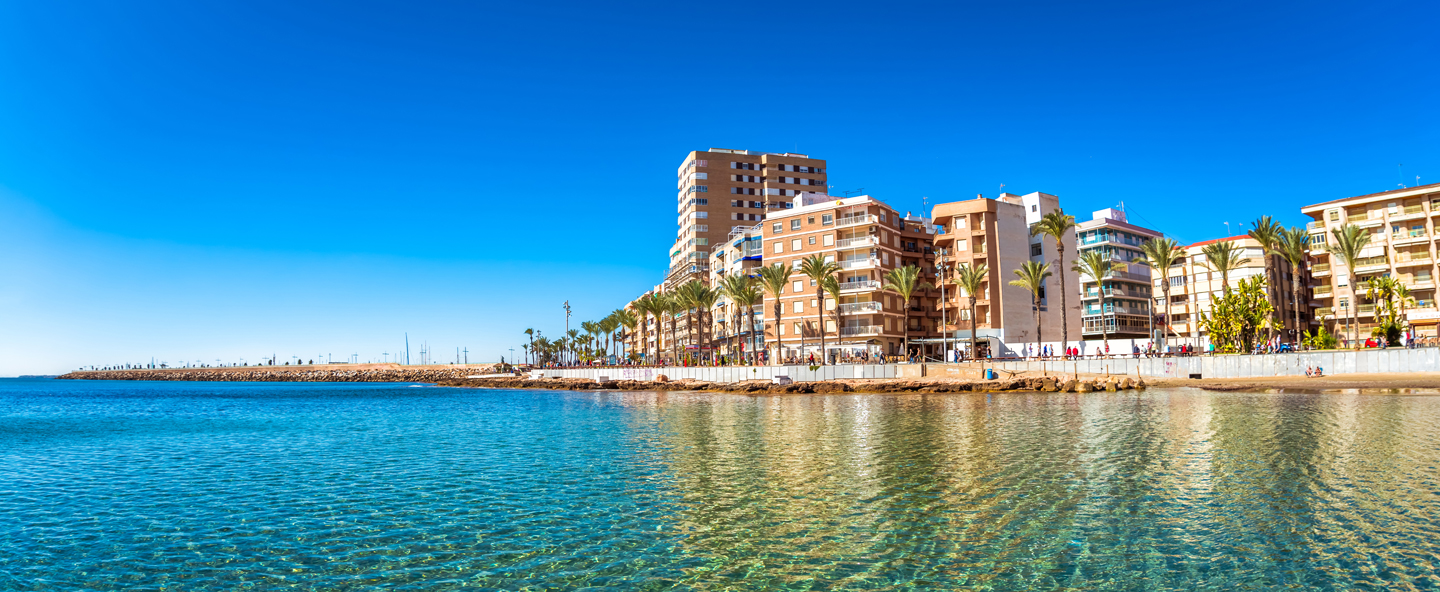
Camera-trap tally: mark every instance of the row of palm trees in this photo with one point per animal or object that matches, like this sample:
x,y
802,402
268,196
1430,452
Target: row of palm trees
x,y
594,339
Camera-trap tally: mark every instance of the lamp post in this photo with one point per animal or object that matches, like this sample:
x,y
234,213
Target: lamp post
x,y
941,263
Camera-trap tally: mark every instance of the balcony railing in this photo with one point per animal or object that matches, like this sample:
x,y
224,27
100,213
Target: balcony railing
x,y
844,221
1320,268
860,330
851,243
1315,226
1366,309
1324,311
1323,291
859,307
1418,209
860,285
1361,217
859,263
1370,262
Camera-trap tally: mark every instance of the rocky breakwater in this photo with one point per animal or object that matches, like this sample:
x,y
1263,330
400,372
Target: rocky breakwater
x,y
1052,384
291,374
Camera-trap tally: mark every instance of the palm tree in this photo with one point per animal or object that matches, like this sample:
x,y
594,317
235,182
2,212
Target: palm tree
x,y
1032,276
570,343
592,329
1292,247
1350,240
1267,233
705,298
687,297
672,306
817,269
905,281
1057,225
643,306
617,323
971,279
1224,257
735,287
831,286
1161,253
529,333
1096,264
775,278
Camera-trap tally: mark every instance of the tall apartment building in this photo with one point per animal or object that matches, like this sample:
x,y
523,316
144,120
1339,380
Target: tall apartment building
x,y
1403,228
867,239
1127,290
1194,286
720,190
996,233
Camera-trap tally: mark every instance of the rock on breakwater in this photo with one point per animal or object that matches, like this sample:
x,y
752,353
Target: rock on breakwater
x,y
759,387
290,374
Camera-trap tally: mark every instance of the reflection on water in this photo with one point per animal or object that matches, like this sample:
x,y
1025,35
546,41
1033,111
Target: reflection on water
x,y
344,487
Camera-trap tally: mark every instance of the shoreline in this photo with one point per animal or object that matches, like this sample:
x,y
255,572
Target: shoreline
x,y
1413,383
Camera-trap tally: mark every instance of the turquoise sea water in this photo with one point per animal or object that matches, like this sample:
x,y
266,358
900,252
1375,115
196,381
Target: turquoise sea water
x,y
208,486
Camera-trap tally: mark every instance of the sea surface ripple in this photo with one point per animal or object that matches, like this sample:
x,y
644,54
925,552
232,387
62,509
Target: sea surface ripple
x,y
211,486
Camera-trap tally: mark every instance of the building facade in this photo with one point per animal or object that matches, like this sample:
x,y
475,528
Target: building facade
x,y
1128,291
721,189
866,238
996,233
1194,286
1402,226
737,330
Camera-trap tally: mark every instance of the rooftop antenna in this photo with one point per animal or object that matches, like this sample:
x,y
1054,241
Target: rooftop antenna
x,y
1002,188
1401,167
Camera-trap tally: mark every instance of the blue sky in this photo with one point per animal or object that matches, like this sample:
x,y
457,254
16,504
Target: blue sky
x,y
218,180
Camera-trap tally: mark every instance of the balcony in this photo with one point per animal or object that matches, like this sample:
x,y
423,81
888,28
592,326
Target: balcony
x,y
1324,292
1409,238
1413,260
859,285
860,330
1371,221
1320,269
845,221
860,307
1366,310
1408,213
1324,311
1371,264
1315,226
1421,283
857,243
868,263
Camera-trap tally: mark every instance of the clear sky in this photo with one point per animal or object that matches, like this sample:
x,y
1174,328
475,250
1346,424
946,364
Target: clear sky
x,y
226,180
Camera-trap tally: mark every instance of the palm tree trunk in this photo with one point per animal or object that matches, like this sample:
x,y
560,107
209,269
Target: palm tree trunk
x,y
1169,321
1104,327
820,319
1064,310
1035,298
778,325
974,326
905,330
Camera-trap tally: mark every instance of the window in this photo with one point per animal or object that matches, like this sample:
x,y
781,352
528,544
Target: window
x,y
779,247
795,224
698,189
798,287
1034,208
775,228
1034,250
960,223
829,240
702,214
797,327
961,244
799,307
830,326
827,219
781,328
812,240
795,244
809,219
1177,281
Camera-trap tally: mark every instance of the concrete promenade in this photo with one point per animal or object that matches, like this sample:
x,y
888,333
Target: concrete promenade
x,y
1395,360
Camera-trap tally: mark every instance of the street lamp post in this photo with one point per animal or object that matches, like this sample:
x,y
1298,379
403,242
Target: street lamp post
x,y
941,263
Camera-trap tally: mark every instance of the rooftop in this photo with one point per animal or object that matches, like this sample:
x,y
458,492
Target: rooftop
x,y
1418,189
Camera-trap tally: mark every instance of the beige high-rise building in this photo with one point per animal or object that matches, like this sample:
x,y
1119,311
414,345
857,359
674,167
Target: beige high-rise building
x,y
1402,223
1127,291
996,233
866,238
722,189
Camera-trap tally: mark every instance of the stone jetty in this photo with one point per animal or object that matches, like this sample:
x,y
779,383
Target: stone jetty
x,y
459,376
328,373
